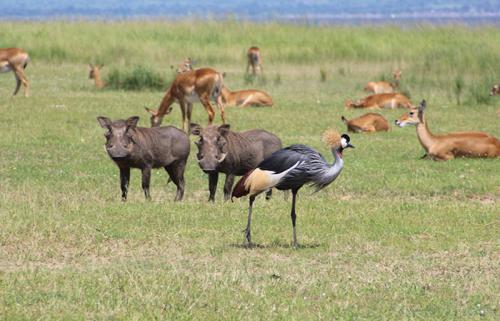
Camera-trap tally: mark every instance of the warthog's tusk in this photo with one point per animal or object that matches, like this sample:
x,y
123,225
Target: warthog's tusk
x,y
220,160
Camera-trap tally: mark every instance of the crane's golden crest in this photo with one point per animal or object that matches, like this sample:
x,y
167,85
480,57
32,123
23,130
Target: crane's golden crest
x,y
332,138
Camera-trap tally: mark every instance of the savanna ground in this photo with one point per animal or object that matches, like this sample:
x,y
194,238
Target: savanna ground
x,y
393,238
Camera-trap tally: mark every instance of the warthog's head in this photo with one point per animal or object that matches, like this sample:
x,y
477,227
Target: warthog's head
x,y
212,146
119,141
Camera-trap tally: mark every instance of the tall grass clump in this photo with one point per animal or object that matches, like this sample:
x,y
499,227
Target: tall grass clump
x,y
139,78
322,75
458,88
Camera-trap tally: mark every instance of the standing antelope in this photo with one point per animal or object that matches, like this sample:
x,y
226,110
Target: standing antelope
x,y
382,87
15,60
254,60
451,145
201,85
380,101
95,73
370,122
245,98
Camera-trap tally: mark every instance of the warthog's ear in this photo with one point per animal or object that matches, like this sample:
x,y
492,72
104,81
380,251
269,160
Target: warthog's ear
x,y
224,129
132,122
104,121
195,129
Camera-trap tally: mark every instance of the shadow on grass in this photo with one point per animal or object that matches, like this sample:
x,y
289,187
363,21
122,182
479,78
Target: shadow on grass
x,y
274,245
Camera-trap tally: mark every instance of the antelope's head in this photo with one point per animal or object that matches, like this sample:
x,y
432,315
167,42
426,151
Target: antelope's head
x,y
184,66
495,90
413,117
157,116
397,74
94,71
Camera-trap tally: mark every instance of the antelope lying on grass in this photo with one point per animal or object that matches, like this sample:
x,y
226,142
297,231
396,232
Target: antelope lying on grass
x,y
370,122
245,98
380,101
449,146
382,87
15,60
95,73
201,85
254,60
495,90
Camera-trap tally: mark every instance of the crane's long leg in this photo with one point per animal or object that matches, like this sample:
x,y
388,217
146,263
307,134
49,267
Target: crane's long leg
x,y
247,230
294,216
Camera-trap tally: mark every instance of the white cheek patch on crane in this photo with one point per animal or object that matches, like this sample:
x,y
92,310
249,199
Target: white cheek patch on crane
x,y
262,180
343,142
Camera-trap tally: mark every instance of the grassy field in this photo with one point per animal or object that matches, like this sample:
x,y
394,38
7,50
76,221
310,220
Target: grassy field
x,y
394,238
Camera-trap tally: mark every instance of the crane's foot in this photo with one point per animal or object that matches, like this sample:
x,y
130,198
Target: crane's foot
x,y
248,237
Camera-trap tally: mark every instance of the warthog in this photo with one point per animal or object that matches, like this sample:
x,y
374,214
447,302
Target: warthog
x,y
221,150
130,146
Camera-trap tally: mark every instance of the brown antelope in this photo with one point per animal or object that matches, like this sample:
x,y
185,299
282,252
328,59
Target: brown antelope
x,y
15,60
254,60
380,101
383,87
370,122
451,145
245,98
201,85
95,73
495,90
185,65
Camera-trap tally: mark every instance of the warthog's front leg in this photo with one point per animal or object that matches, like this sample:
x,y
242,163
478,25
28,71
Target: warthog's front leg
x,y
228,186
146,177
212,185
124,181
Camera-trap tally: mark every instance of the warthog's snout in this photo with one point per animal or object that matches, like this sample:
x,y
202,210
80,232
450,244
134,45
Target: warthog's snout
x,y
117,151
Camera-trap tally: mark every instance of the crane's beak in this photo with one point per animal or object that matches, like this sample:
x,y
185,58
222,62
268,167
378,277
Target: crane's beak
x,y
349,145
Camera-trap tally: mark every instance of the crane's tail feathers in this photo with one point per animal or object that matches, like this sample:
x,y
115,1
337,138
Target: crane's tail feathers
x,y
239,189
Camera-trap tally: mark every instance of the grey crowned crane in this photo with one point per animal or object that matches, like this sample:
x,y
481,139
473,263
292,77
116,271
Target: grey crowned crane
x,y
291,168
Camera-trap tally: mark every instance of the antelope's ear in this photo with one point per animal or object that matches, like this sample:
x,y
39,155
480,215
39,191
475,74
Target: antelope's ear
x,y
105,122
421,109
423,104
151,111
171,66
194,129
224,74
224,129
101,66
91,66
132,121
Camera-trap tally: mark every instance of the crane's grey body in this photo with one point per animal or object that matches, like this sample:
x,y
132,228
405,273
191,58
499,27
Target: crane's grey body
x,y
302,164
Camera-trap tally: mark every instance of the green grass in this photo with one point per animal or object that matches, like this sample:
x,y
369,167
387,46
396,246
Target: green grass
x,y
394,238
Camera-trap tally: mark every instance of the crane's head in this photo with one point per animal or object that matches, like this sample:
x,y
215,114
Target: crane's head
x,y
337,142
